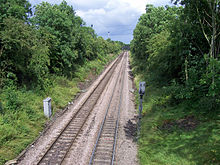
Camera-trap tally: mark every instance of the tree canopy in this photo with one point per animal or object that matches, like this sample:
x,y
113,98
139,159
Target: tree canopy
x,y
54,40
178,47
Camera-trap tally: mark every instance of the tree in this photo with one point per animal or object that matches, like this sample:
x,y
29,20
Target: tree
x,y
206,15
24,56
182,53
14,8
63,25
154,21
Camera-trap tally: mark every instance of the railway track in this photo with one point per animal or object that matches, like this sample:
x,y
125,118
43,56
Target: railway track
x,y
57,152
104,149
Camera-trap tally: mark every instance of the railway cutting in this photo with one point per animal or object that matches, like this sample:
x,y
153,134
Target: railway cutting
x,y
90,133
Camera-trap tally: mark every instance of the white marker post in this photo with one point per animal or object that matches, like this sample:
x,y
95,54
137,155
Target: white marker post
x,y
47,107
141,93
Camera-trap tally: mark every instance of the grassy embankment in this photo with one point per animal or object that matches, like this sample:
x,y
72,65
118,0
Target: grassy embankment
x,y
174,133
20,125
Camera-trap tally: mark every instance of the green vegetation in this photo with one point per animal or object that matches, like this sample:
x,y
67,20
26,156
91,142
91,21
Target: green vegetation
x,y
44,53
176,134
176,50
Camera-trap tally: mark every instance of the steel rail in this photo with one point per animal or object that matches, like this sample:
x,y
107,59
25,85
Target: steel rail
x,y
103,122
39,162
117,122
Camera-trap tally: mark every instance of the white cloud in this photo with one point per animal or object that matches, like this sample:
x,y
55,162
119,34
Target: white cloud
x,y
159,2
87,4
119,17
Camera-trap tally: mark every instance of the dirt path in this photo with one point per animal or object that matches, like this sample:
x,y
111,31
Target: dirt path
x,y
80,152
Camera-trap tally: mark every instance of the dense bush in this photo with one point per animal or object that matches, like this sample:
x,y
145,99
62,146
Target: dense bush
x,y
24,56
178,47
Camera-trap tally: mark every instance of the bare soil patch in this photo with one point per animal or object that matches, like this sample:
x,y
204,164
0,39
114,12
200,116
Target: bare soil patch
x,y
187,123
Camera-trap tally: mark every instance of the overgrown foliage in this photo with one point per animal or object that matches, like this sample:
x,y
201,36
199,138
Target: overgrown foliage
x,y
24,56
176,47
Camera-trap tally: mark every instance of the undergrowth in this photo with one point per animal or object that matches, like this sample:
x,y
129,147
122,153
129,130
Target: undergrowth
x,y
176,133
21,109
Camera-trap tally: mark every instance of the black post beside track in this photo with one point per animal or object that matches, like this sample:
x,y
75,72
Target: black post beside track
x,y
117,120
56,153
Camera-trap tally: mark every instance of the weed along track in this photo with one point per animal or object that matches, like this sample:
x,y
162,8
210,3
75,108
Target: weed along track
x,y
57,151
105,146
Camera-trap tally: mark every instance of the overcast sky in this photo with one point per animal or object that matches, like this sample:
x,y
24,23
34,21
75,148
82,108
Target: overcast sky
x,y
118,17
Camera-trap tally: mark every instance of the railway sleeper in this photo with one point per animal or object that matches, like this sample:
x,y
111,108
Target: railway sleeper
x,y
106,143
70,132
101,148
103,152
110,125
107,146
107,137
67,137
103,157
108,130
101,162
